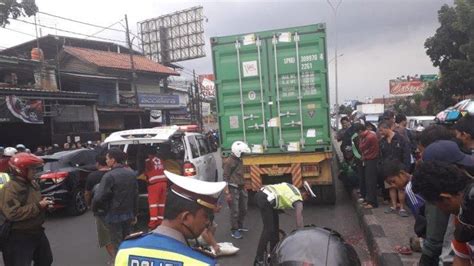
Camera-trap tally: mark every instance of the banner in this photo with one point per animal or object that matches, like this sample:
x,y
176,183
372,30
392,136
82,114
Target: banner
x,y
399,87
208,88
15,109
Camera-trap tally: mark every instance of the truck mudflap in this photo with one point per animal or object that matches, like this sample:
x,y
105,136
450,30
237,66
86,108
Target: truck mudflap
x,y
315,168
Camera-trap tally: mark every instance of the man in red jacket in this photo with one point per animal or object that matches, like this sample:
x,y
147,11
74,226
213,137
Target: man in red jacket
x,y
369,147
157,186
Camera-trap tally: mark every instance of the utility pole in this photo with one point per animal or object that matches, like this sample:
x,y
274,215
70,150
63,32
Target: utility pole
x,y
132,63
334,9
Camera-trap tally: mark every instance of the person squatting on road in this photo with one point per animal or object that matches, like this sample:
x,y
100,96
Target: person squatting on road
x,y
118,194
189,205
236,194
92,184
271,200
157,186
21,203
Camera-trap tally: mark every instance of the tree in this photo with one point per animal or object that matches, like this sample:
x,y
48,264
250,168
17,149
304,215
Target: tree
x,y
14,9
452,50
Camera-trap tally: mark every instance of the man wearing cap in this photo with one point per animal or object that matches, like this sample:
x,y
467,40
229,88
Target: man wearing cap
x,y
437,222
189,204
272,199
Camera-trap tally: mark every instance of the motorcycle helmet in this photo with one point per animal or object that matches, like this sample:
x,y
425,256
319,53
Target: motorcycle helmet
x,y
239,147
20,147
9,151
21,162
464,231
314,246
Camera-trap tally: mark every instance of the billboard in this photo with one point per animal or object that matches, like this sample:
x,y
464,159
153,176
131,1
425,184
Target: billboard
x,y
404,87
17,109
173,37
208,88
151,100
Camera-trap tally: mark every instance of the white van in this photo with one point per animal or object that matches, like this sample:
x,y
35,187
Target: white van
x,y
186,153
419,123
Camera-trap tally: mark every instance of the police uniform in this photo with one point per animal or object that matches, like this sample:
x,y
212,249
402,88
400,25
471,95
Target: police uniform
x,y
270,199
165,245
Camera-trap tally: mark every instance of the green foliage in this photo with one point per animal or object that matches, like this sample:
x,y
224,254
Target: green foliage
x,y
14,9
347,110
452,50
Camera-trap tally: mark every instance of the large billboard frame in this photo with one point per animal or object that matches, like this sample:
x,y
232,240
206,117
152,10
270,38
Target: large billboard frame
x,y
174,37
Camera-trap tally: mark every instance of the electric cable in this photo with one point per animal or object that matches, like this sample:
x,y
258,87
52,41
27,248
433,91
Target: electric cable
x,y
72,32
80,22
17,31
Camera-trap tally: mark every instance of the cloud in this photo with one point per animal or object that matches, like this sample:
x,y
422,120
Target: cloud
x,y
380,39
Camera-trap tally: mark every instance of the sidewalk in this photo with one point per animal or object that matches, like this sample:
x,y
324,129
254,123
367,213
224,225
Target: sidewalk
x,y
385,231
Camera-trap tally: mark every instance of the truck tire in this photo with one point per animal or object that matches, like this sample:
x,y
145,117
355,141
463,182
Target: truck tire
x,y
77,206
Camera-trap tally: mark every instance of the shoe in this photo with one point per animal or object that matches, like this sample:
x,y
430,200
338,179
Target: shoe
x,y
403,213
389,210
236,234
243,229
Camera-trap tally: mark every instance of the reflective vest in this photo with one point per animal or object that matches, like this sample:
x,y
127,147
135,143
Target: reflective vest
x,y
157,249
4,178
285,195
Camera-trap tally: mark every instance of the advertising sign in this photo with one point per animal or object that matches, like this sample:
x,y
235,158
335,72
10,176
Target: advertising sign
x,y
208,87
16,109
156,116
401,87
156,100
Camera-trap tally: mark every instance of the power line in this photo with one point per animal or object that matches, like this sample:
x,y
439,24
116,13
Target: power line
x,y
68,31
80,22
105,28
17,31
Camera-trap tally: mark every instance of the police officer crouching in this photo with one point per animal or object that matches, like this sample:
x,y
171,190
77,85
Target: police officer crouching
x,y
189,204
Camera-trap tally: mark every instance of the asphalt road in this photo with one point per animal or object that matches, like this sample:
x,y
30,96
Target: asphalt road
x,y
74,240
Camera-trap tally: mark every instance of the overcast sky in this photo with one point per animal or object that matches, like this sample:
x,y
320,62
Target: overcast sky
x,y
379,39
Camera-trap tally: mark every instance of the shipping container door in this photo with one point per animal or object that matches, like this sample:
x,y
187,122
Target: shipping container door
x,y
298,80
241,78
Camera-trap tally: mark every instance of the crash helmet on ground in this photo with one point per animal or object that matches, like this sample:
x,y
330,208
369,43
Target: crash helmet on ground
x,y
9,151
464,231
239,147
314,246
21,162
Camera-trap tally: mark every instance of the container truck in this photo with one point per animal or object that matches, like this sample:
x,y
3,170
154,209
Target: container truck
x,y
272,93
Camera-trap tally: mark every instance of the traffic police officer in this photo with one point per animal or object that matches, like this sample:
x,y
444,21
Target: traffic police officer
x,y
189,204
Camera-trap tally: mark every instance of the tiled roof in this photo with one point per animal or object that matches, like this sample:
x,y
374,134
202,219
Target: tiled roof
x,y
118,61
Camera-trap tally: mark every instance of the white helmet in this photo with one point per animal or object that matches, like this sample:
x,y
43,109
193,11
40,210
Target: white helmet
x,y
9,151
239,147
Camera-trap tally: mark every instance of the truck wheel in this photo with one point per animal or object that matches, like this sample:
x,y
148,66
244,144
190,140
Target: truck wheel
x,y
325,194
77,206
251,199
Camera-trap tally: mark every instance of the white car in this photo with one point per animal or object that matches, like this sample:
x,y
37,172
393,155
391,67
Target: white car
x,y
188,152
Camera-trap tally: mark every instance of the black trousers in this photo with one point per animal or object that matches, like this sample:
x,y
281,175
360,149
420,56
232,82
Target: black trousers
x,y
271,224
370,176
23,248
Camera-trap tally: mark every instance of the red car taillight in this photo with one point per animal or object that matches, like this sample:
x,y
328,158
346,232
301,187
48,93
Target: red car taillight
x,y
56,177
189,169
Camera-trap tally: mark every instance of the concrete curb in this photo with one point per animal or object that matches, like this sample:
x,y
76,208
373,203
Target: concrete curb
x,y
379,244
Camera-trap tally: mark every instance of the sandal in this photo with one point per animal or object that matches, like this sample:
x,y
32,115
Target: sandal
x,y
403,250
368,206
403,213
389,210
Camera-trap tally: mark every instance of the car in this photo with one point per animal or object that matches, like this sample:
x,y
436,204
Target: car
x,y
64,176
452,114
184,150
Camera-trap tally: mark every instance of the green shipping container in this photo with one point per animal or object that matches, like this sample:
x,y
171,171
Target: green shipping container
x,y
272,89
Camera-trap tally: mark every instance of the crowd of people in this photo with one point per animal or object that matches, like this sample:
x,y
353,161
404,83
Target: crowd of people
x,y
424,173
